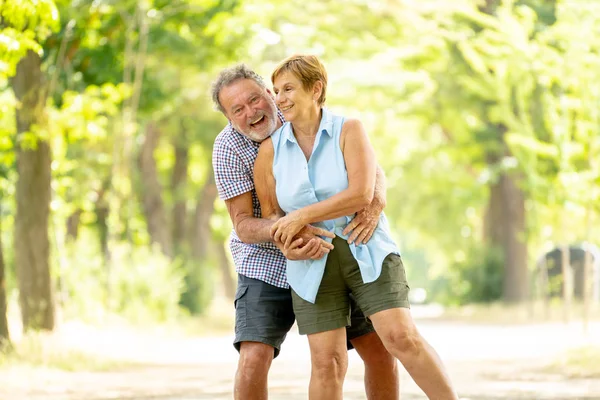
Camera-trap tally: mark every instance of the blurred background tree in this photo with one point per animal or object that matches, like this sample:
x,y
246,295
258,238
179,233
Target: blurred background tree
x,y
484,115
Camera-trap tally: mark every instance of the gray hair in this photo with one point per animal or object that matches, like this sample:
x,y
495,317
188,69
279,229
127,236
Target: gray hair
x,y
230,75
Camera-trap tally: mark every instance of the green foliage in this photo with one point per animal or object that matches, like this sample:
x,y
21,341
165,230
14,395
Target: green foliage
x,y
475,276
24,25
199,287
451,97
143,286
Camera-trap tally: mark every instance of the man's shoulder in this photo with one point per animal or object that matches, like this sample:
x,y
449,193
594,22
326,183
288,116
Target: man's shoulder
x,y
225,138
231,140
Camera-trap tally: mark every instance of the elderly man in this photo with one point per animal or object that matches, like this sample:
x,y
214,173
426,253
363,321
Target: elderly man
x,y
263,300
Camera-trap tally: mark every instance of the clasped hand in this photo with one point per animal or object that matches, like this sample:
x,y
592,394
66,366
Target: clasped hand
x,y
300,242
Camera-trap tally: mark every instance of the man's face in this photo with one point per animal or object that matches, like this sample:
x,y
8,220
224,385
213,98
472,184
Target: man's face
x,y
250,109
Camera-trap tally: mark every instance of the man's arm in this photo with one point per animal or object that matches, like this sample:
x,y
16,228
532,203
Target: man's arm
x,y
379,197
248,228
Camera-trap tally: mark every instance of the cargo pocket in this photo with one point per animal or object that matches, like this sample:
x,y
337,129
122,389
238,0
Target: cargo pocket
x,y
240,307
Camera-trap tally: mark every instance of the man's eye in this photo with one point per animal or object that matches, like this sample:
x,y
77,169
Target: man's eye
x,y
237,111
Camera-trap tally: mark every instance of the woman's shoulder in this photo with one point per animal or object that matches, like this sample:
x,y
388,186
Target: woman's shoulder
x,y
351,125
280,132
265,151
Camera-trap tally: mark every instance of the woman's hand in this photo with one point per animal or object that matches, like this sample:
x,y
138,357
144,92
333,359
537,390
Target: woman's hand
x,y
287,227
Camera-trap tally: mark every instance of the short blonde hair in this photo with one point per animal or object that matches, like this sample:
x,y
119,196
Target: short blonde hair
x,y
308,69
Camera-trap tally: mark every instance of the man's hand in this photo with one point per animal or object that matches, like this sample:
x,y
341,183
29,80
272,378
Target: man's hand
x,y
364,223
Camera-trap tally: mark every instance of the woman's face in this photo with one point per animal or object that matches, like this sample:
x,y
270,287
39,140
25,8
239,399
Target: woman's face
x,y
291,97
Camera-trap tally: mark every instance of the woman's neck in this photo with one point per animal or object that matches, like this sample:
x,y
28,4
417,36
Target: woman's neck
x,y
308,125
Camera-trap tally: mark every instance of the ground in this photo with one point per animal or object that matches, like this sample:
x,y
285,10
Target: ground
x,y
486,361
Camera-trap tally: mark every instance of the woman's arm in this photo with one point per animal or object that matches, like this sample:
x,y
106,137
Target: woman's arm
x,y
308,244
361,166
264,182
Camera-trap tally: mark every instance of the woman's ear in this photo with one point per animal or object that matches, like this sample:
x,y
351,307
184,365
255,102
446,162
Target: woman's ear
x,y
317,90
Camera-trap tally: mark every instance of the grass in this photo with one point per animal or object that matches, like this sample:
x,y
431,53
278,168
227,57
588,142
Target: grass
x,y
40,350
501,313
581,362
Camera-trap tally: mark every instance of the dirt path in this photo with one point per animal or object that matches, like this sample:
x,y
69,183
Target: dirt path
x,y
487,362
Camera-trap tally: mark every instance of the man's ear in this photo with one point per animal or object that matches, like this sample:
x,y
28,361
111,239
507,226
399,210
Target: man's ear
x,y
270,93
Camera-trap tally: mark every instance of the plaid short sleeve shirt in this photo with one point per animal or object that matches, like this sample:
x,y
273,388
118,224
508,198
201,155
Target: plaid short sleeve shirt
x,y
233,164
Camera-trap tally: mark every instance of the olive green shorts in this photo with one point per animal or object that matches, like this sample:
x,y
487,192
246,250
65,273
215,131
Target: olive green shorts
x,y
342,277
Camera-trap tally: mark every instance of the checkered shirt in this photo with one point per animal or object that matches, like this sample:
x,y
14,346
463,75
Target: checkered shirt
x,y
233,164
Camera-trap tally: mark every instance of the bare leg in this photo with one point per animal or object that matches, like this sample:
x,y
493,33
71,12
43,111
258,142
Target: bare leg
x,y
253,370
381,368
400,336
329,358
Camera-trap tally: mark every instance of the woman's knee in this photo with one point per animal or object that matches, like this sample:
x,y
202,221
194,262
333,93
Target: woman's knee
x,y
405,340
330,363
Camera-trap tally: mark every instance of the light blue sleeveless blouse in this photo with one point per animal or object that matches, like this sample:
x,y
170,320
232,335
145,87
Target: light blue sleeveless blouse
x,y
300,183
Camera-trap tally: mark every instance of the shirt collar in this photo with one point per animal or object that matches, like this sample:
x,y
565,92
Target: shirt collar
x,y
326,126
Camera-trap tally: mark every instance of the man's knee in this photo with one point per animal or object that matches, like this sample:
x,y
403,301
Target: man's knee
x,y
255,358
371,350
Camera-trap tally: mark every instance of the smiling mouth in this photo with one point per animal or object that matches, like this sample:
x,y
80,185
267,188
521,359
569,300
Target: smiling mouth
x,y
258,121
284,109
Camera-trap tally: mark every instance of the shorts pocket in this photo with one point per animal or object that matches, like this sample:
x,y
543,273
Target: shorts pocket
x,y
239,293
394,269
240,307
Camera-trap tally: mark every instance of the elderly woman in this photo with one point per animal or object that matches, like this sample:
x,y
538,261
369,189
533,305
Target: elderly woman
x,y
319,168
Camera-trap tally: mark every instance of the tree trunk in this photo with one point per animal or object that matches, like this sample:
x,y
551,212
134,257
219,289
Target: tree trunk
x,y
4,336
489,6
178,188
515,257
31,241
151,191
225,267
73,226
102,211
567,281
201,237
505,229
200,231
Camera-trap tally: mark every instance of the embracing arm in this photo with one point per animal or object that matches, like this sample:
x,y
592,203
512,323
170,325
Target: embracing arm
x,y
379,197
361,167
307,243
364,223
248,228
